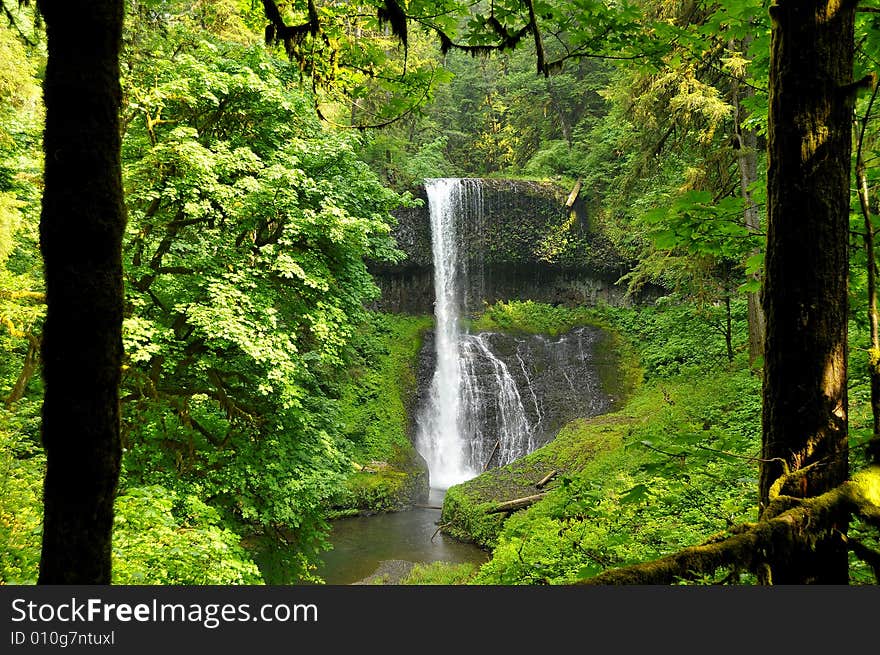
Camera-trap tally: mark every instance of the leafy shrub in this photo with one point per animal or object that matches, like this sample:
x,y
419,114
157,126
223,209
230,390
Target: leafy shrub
x,y
161,537
22,464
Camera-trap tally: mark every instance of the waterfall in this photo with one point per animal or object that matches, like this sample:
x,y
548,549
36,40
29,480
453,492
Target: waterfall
x,y
492,406
493,397
469,415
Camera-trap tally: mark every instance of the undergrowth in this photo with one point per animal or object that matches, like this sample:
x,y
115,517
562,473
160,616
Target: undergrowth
x,y
675,465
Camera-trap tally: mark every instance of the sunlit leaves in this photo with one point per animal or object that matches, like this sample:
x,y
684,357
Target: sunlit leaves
x,y
160,537
249,226
694,221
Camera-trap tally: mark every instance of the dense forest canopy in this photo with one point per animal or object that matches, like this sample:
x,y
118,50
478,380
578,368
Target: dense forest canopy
x,y
186,273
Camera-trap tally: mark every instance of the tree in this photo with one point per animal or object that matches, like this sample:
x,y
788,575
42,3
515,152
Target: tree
x,y
805,286
806,499
248,229
81,229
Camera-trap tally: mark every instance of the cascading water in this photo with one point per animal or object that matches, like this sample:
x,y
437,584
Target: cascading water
x,y
493,397
438,437
460,407
492,406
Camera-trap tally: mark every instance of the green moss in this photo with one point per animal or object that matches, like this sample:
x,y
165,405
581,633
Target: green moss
x,y
376,399
441,573
380,491
577,445
376,403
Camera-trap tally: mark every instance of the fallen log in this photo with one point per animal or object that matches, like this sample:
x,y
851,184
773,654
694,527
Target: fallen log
x,y
516,503
540,484
573,195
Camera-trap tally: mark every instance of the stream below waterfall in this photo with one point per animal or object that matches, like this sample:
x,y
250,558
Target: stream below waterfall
x,y
362,543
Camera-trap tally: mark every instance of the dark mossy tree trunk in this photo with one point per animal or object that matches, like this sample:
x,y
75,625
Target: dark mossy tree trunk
x,y
805,292
81,229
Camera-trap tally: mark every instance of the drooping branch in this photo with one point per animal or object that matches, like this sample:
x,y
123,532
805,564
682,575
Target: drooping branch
x,y
539,45
394,15
277,31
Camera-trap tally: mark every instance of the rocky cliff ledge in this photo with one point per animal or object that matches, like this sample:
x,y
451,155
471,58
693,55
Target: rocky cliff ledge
x,y
525,244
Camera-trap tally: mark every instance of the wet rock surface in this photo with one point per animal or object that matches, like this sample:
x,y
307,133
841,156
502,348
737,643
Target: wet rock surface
x,y
557,379
391,571
520,242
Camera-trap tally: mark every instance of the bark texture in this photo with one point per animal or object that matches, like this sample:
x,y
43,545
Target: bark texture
x,y
868,238
805,292
747,163
81,229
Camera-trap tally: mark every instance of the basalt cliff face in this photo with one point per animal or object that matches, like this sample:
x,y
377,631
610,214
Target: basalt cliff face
x,y
520,389
525,244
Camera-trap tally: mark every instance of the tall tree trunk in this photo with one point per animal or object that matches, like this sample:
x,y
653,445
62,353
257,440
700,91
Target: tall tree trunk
x,y
805,292
868,236
81,229
747,163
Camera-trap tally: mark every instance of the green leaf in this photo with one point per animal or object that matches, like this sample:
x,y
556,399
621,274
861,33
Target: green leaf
x,y
636,494
754,263
752,286
590,570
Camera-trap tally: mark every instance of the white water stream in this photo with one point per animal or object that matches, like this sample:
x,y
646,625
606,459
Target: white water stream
x,y
474,412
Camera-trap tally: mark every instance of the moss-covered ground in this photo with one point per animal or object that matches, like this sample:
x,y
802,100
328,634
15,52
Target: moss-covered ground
x,y
376,409
670,467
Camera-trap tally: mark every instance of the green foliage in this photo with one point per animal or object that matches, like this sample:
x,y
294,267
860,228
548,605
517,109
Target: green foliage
x,y
441,573
376,406
21,309
161,537
377,395
676,338
380,488
22,463
535,318
248,229
647,498
554,158
681,336
21,301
